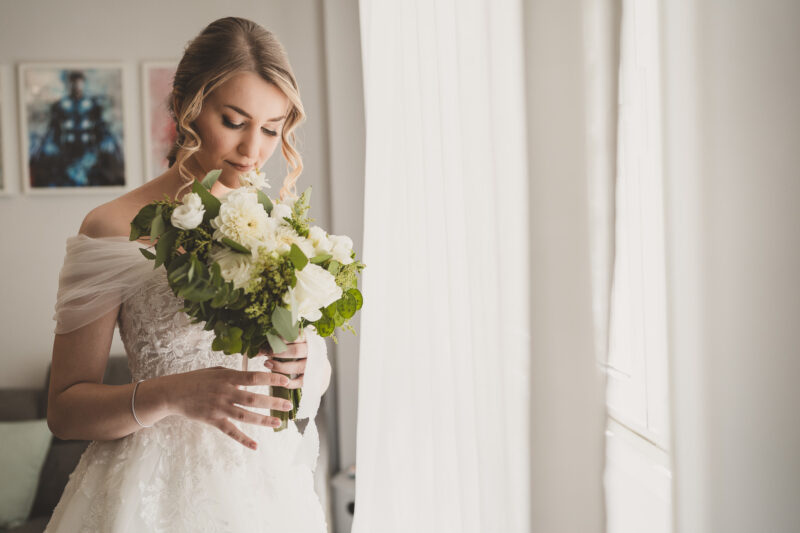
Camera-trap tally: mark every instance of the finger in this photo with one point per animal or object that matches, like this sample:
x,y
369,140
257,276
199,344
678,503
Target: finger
x,y
227,427
251,378
249,417
296,383
261,401
293,350
296,366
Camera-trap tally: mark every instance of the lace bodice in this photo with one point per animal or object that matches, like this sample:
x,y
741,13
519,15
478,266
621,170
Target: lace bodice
x,y
161,340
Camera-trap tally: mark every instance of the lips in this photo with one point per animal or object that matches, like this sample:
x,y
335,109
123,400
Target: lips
x,y
240,168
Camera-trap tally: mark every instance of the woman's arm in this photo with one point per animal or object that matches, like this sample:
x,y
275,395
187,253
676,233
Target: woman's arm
x,y
79,406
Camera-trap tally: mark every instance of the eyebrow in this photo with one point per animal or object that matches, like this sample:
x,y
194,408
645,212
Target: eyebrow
x,y
242,112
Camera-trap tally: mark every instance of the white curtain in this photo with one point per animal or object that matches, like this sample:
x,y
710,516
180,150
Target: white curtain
x,y
488,244
442,441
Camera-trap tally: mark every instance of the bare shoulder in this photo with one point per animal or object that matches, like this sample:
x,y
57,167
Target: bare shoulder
x,y
114,218
105,220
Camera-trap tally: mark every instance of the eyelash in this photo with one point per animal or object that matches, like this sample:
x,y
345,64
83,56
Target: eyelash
x,y
233,126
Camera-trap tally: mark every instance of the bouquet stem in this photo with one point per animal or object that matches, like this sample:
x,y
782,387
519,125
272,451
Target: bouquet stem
x,y
292,395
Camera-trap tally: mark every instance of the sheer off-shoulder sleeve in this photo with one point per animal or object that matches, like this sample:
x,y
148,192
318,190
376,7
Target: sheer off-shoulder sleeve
x,y
98,274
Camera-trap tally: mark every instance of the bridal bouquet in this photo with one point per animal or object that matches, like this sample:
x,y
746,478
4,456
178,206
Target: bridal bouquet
x,y
253,270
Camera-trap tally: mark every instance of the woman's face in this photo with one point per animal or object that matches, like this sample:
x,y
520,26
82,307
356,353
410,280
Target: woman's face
x,y
239,126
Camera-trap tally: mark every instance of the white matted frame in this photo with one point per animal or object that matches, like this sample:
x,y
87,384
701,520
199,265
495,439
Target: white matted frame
x,y
159,128
73,128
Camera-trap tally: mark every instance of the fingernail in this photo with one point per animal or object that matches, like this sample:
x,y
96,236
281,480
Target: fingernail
x,y
269,364
287,406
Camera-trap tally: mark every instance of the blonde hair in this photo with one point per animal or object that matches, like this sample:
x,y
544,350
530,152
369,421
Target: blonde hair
x,y
227,47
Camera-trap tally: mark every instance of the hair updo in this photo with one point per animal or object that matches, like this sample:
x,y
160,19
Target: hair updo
x,y
226,47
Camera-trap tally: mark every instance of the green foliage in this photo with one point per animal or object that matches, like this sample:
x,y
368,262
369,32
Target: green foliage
x,y
282,322
264,200
210,202
211,178
347,275
321,258
298,258
300,220
235,246
254,317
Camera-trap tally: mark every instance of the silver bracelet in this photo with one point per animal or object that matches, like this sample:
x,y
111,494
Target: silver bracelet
x,y
133,411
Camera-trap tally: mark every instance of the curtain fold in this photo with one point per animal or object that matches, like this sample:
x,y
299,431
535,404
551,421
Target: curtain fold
x,y
442,422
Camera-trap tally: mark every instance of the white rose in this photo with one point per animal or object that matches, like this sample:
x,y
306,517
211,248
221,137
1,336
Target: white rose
x,y
241,218
189,215
316,288
342,246
279,211
234,266
318,237
255,179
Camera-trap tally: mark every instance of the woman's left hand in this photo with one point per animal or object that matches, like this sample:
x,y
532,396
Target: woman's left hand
x,y
294,368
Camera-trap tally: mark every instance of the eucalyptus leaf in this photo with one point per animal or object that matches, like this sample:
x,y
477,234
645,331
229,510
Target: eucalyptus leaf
x,y
141,222
165,245
282,322
325,326
210,202
157,226
148,254
320,258
264,200
357,295
346,305
332,311
297,257
211,178
275,343
235,246
135,232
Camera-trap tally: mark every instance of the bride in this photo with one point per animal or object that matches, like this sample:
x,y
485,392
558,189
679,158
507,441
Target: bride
x,y
190,445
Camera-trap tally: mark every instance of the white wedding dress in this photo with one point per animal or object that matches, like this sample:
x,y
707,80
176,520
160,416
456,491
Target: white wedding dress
x,y
181,474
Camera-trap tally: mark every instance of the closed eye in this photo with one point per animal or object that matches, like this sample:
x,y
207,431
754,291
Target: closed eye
x,y
228,123
232,125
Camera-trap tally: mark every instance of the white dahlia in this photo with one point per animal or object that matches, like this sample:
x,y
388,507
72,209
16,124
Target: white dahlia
x,y
241,218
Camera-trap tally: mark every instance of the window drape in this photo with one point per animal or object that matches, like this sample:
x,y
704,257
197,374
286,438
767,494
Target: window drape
x,y
442,423
488,241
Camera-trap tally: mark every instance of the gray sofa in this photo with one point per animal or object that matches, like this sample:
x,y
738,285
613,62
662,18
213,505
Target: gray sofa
x,y
28,404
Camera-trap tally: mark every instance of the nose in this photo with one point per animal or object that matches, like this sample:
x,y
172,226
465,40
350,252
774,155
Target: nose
x,y
249,145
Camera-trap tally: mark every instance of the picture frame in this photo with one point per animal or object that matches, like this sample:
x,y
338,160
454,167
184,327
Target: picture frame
x,y
72,128
159,128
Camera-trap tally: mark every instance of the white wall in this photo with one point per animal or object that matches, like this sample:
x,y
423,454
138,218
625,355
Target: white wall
x,y
731,86
33,229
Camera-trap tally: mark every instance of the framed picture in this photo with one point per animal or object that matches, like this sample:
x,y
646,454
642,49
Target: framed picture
x,y
72,127
159,128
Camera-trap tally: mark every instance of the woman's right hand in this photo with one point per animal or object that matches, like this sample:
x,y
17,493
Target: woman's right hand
x,y
211,395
